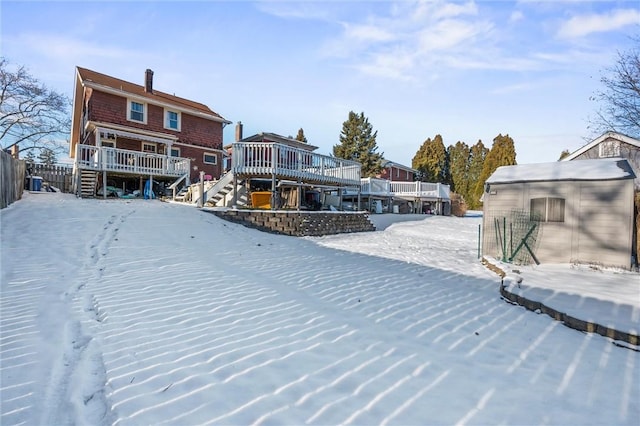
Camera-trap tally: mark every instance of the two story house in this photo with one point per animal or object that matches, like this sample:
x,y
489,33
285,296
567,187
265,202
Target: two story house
x,y
124,134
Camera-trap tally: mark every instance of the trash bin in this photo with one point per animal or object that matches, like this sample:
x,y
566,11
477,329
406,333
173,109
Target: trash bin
x,y
261,200
36,183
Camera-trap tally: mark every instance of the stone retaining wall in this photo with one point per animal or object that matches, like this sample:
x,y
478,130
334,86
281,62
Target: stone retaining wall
x,y
299,224
567,320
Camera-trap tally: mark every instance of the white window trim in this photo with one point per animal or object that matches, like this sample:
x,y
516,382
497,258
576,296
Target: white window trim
x,y
204,154
155,147
547,209
107,138
177,148
145,111
166,119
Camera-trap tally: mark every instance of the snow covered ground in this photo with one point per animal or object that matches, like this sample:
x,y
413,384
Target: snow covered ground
x,y
142,312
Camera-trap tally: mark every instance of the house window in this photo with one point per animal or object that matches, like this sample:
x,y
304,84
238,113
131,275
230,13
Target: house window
x,y
136,112
175,152
149,147
609,149
172,120
210,158
547,209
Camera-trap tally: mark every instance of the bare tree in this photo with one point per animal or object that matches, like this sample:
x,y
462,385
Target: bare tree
x,y
32,116
620,98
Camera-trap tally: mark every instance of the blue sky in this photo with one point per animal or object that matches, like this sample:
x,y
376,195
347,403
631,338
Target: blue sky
x,y
463,69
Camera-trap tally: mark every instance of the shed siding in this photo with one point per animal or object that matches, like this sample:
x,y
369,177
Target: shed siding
x,y
606,220
597,225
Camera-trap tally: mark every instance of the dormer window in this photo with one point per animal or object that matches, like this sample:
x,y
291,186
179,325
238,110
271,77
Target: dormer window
x,y
172,120
609,148
136,111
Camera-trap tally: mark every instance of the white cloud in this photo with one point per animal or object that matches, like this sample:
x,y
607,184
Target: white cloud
x,y
294,10
395,64
434,10
450,34
516,16
368,33
58,47
411,36
580,26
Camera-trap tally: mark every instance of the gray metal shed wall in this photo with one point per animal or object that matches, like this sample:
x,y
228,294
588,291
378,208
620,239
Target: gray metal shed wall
x,y
598,220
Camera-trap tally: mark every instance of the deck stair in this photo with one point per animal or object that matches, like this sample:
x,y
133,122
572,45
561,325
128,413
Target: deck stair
x,y
224,198
88,182
181,194
221,193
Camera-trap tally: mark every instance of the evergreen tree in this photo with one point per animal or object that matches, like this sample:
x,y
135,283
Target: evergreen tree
x,y
358,143
30,157
300,136
477,154
47,156
459,167
563,154
503,153
431,161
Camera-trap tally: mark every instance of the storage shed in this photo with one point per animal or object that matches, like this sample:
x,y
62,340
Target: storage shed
x,y
561,212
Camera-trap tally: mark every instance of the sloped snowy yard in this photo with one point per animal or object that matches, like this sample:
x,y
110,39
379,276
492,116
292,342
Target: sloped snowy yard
x,y
142,312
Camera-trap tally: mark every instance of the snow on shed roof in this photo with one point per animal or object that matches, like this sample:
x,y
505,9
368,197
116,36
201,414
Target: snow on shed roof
x,y
599,169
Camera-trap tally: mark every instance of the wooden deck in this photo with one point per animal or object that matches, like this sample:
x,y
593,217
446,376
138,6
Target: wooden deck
x,y
282,162
89,157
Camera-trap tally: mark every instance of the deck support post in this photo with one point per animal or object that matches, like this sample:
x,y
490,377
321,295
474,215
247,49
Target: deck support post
x,y
201,185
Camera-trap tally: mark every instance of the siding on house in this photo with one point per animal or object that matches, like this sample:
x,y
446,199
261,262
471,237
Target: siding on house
x,y
629,149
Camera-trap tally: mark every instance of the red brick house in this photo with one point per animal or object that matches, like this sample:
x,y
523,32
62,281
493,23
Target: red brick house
x,y
124,134
396,172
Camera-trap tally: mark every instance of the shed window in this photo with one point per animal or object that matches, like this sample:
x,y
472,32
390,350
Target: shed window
x,y
609,149
210,158
547,209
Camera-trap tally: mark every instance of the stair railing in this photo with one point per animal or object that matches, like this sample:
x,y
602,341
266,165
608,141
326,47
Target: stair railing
x,y
218,186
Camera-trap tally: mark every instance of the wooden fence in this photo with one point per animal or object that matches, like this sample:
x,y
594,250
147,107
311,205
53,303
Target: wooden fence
x,y
59,176
12,174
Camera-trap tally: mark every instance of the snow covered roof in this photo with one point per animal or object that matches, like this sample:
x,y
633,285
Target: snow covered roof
x,y
599,169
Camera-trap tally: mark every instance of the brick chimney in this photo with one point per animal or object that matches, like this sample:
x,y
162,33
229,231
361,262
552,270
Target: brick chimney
x,y
148,81
239,131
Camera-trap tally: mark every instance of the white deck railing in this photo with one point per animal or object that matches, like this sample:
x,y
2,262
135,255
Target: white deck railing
x,y
387,188
126,161
273,159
